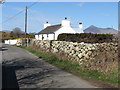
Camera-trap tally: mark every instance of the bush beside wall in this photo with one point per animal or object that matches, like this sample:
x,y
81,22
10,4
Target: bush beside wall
x,y
86,37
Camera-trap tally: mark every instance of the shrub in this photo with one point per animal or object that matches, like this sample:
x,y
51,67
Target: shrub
x,y
85,37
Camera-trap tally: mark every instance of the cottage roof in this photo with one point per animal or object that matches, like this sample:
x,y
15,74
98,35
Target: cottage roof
x,y
50,29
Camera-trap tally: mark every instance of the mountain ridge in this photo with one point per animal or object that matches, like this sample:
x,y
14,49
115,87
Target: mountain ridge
x,y
94,29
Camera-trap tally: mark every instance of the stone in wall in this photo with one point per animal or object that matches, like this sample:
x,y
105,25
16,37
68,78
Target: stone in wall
x,y
83,53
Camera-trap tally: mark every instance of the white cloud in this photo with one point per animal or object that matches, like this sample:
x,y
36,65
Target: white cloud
x,y
80,4
39,16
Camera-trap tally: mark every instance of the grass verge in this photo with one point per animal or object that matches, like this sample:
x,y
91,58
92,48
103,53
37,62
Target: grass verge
x,y
75,67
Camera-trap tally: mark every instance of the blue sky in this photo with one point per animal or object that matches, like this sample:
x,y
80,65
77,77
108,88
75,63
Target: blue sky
x,y
100,14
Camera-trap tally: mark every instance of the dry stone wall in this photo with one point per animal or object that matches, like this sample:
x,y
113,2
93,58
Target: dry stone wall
x,y
86,54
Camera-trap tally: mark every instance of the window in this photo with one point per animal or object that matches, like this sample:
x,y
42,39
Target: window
x,y
42,37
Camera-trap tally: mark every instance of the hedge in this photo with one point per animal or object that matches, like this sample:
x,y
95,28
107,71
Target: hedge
x,y
85,37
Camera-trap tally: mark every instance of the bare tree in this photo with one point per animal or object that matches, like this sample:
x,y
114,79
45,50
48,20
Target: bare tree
x,y
17,32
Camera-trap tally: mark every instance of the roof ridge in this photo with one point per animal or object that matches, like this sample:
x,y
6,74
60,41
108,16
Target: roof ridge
x,y
54,25
50,29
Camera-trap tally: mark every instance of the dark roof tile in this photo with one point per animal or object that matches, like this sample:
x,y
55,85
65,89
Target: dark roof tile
x,y
50,29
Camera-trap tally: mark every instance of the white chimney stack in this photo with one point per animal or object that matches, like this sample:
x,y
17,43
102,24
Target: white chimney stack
x,y
46,24
66,22
80,25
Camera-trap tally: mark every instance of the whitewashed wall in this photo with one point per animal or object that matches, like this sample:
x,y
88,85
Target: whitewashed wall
x,y
39,37
64,30
45,37
14,42
50,36
11,42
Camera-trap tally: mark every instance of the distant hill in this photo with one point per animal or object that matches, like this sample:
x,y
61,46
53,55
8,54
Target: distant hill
x,y
94,29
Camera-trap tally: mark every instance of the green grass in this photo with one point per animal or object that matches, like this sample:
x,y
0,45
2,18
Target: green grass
x,y
75,68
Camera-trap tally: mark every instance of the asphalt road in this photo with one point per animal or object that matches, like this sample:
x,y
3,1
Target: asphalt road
x,y
21,69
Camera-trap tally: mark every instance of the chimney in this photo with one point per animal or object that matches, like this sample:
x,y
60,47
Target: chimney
x,y
80,25
66,22
46,24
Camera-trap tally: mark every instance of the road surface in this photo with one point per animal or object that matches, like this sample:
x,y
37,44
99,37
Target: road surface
x,y
22,69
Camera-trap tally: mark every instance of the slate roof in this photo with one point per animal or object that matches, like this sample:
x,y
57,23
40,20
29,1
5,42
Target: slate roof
x,y
50,29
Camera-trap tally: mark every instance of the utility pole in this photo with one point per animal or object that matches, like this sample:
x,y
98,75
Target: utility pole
x,y
26,25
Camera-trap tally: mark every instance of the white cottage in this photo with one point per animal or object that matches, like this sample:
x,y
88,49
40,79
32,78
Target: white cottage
x,y
51,32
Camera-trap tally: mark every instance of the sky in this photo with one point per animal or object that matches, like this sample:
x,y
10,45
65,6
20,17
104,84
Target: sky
x,y
100,14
